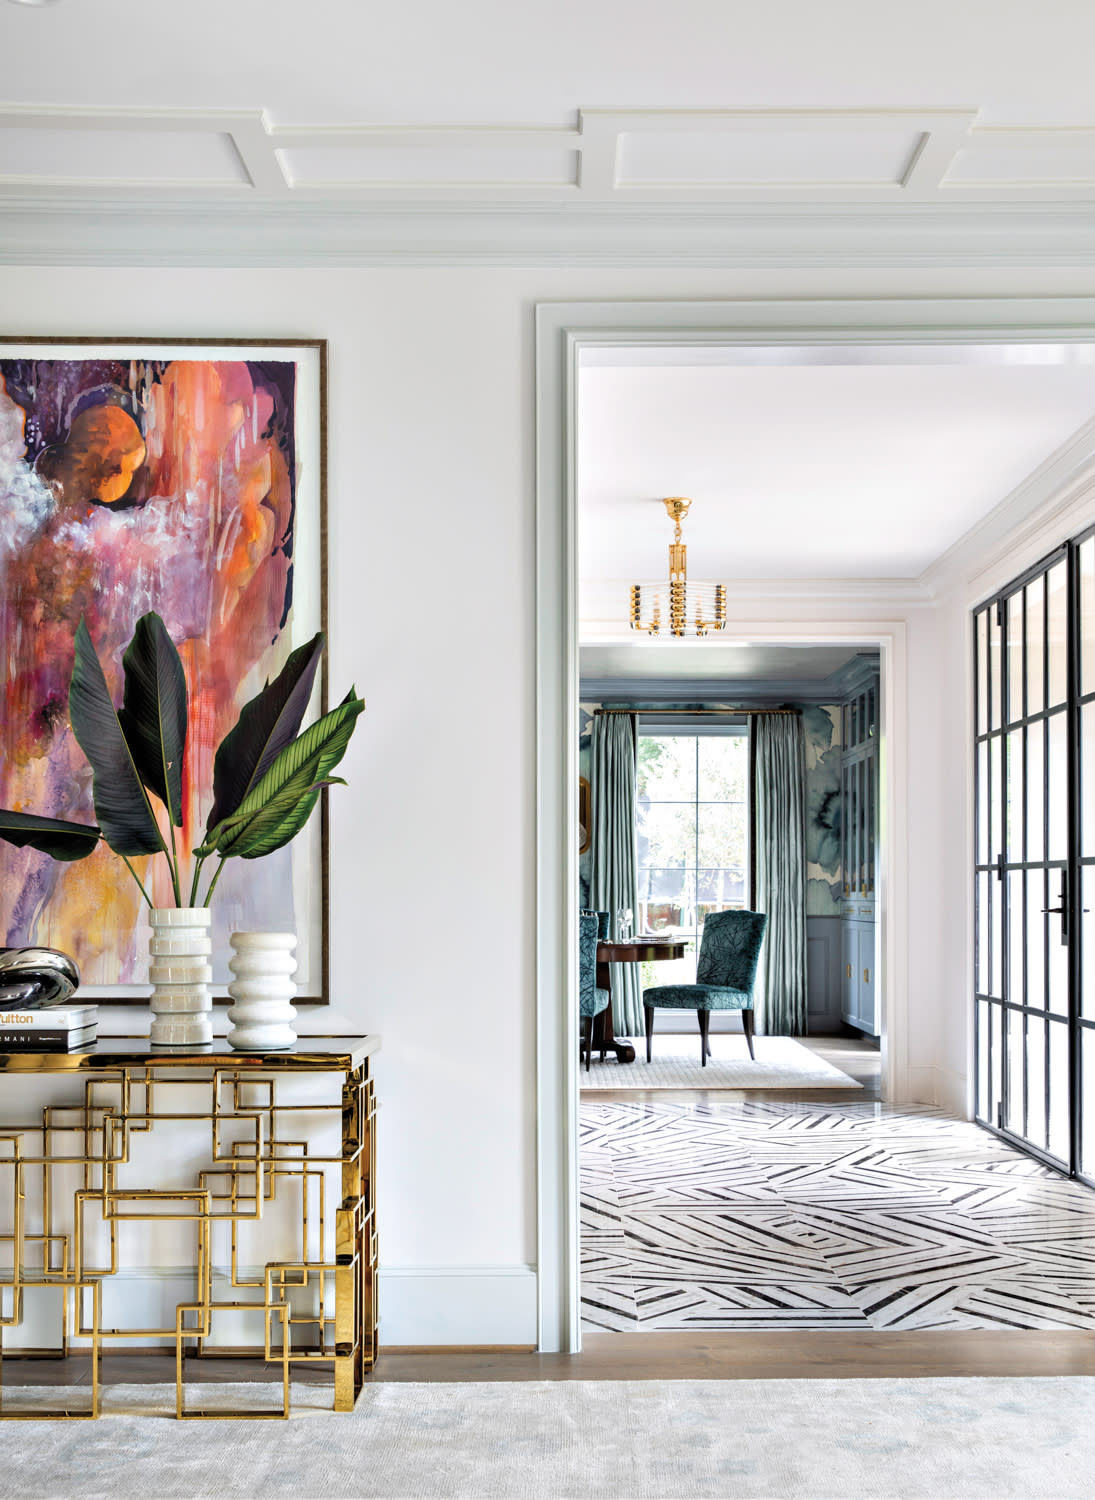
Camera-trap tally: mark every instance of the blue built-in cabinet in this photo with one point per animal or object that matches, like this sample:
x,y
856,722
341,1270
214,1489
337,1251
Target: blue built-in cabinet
x,y
859,856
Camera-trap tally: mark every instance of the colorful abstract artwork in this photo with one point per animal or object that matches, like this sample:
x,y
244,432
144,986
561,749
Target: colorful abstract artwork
x,y
184,479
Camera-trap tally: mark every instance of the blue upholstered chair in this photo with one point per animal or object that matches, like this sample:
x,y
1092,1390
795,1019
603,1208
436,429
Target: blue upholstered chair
x,y
591,1000
604,923
725,975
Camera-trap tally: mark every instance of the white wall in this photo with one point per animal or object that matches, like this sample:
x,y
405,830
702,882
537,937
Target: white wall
x,y
432,615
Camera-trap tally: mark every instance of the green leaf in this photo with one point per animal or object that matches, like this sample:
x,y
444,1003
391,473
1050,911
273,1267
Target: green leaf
x,y
280,804
53,836
266,725
121,802
153,713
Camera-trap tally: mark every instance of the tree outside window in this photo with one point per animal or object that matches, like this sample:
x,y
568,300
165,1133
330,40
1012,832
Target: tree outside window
x,y
692,829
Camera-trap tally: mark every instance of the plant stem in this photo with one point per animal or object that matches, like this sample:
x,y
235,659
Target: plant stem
x,y
194,883
173,861
137,878
213,882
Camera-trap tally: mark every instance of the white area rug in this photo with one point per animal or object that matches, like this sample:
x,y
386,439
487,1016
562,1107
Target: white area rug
x,y
782,1063
944,1439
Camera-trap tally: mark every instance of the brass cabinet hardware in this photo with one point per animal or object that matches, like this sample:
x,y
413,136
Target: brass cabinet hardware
x,y
866,976
849,971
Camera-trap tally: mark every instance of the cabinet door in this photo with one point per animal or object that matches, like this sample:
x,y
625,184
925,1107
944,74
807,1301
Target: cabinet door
x,y
867,1004
849,983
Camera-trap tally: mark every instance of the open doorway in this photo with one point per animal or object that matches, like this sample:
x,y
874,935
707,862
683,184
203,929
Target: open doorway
x,y
852,596
685,1223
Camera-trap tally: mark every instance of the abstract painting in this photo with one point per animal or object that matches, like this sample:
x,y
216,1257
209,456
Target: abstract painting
x,y
185,478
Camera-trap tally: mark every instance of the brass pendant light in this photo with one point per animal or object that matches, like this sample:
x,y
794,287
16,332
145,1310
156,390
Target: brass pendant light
x,y
676,606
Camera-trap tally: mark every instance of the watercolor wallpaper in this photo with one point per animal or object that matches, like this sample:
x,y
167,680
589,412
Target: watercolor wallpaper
x,y
821,731
128,486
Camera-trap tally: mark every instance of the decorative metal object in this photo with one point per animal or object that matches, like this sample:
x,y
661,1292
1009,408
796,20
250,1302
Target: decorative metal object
x,y
35,978
262,990
79,1185
676,606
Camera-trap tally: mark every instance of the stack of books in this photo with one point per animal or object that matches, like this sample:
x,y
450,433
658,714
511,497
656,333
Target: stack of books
x,y
58,1028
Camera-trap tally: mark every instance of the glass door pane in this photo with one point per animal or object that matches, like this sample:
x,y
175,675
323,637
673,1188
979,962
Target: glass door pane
x,y
1083,865
1023,766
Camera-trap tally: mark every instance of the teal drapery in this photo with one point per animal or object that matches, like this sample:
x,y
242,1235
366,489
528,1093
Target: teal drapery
x,y
780,830
613,879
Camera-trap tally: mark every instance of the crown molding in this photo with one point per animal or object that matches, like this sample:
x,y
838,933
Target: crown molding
x,y
87,228
603,617
1036,506
728,690
864,667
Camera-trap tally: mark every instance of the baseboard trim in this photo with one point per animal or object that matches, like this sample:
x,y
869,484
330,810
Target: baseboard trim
x,y
952,1092
920,1086
446,1307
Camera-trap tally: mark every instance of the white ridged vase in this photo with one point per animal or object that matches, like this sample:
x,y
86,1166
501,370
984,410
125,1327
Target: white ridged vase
x,y
181,975
262,990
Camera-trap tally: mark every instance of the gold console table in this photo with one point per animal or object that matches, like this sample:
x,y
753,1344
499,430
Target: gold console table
x,y
71,1181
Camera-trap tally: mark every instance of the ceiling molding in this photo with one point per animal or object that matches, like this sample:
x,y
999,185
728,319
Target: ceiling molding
x,y
98,231
731,690
688,155
602,606
95,231
1044,497
749,188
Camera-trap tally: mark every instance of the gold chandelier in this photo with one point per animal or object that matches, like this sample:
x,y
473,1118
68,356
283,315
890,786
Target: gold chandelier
x,y
677,606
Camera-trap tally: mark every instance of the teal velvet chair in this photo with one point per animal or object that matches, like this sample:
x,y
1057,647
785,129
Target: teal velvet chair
x,y
591,1000
725,975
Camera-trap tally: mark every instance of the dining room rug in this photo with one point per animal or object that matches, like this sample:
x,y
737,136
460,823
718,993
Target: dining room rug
x,y
781,1063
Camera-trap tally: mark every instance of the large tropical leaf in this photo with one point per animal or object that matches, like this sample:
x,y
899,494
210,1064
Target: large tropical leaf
x,y
153,712
121,802
277,808
48,835
266,725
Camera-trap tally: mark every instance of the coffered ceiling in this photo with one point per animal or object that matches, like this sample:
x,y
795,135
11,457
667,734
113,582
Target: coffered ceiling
x,y
721,112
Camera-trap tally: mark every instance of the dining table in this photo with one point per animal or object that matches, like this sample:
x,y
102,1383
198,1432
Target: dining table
x,y
644,948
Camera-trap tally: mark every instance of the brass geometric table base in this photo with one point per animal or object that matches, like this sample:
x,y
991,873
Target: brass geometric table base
x,y
98,1167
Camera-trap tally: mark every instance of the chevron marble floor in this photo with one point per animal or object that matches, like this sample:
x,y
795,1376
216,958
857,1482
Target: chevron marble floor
x,y
782,1214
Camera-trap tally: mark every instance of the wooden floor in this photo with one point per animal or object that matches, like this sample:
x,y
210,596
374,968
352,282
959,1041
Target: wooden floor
x,y
801,1355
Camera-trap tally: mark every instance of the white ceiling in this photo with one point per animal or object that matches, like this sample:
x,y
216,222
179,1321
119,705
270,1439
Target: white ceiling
x,y
493,62
264,111
825,469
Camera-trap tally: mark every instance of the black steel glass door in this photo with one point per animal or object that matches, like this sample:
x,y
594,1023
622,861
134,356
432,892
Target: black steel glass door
x,y
1035,857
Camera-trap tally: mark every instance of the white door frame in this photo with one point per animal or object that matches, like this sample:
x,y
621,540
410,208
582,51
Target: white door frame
x,y
562,331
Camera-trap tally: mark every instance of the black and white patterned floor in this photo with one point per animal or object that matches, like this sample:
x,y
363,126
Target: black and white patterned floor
x,y
796,1215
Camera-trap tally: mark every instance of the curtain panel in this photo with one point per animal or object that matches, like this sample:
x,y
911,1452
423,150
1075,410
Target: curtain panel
x,y
780,832
613,877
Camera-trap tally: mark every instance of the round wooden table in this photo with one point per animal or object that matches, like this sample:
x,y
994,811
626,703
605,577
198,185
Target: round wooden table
x,y
636,950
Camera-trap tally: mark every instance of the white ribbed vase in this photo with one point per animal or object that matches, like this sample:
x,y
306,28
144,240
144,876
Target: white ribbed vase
x,y
262,1015
181,975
